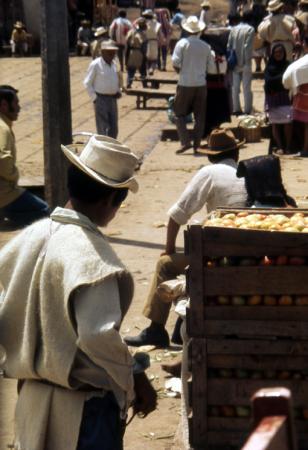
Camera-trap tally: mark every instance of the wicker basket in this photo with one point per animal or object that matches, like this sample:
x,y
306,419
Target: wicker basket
x,y
252,134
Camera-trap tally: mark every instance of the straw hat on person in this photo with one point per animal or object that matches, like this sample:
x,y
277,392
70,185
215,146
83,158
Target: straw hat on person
x,y
148,13
221,141
109,45
274,5
105,160
19,25
193,25
303,2
100,31
206,4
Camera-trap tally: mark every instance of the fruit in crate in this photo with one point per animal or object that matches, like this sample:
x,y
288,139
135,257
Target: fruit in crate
x,y
297,261
225,373
242,374
305,413
285,300
223,300
227,411
238,300
301,300
270,300
297,223
254,300
242,411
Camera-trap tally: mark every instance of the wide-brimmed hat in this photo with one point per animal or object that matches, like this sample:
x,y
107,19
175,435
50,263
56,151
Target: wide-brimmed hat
x,y
303,2
206,4
273,5
147,13
100,31
18,25
192,24
105,160
221,141
85,22
109,45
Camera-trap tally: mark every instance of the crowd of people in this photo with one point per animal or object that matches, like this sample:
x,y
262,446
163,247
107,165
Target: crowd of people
x,y
64,291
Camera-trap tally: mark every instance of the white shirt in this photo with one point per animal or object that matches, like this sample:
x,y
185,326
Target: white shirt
x,y
192,57
212,186
119,29
296,74
102,78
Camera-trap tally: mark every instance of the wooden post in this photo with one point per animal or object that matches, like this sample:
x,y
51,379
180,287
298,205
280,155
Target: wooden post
x,y
57,121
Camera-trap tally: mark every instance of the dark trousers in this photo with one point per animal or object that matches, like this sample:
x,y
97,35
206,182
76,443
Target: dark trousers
x,y
101,427
106,115
187,100
27,208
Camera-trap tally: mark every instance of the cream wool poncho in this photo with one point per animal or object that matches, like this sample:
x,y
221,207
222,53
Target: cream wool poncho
x,y
39,270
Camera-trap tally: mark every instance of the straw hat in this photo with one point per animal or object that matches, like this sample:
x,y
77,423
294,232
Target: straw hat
x,y
192,24
303,2
19,25
100,31
274,5
105,160
221,141
206,4
109,45
147,13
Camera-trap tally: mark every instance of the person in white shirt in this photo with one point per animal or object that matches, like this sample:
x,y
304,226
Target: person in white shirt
x,y
118,32
211,187
191,58
240,41
103,85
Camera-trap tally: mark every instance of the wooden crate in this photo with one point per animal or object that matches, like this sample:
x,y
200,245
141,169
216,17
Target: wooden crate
x,y
260,346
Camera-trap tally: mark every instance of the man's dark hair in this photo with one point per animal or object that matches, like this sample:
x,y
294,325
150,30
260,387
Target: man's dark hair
x,y
248,17
233,154
7,93
234,19
87,190
122,13
306,41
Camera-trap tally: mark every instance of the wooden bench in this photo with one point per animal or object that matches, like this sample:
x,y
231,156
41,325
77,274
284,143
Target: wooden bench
x,y
273,424
145,94
156,82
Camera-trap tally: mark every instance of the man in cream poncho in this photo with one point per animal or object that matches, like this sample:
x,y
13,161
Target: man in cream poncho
x,y
64,296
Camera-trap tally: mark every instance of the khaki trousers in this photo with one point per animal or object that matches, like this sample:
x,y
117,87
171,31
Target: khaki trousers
x,y
168,267
187,100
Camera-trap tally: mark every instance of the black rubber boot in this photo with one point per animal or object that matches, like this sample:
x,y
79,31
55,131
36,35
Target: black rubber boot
x,y
155,334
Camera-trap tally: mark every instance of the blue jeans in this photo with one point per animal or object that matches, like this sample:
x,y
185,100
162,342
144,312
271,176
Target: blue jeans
x,y
27,208
101,427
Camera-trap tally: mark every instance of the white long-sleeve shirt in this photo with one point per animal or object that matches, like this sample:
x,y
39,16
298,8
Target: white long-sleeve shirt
x,y
211,187
102,78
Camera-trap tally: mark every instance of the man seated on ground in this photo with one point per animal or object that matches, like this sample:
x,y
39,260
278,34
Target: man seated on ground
x,y
212,186
84,38
65,293
19,42
17,206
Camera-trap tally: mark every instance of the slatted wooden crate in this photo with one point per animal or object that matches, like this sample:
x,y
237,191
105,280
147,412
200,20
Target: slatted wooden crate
x,y
236,350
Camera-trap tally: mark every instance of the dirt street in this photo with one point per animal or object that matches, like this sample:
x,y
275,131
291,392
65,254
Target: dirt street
x,y
138,232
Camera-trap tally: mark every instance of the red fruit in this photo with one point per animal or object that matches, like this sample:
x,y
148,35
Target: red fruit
x,y
297,261
281,260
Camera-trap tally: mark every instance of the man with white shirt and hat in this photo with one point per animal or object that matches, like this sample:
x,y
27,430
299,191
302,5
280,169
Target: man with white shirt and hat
x,y
191,58
104,88
65,293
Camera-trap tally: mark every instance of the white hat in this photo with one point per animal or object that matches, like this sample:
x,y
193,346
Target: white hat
x,y
192,24
109,45
273,5
206,4
100,31
106,160
148,12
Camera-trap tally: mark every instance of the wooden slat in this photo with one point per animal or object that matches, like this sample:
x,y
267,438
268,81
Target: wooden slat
x,y
297,313
195,281
264,280
270,434
243,328
226,439
198,427
258,362
256,347
238,392
218,242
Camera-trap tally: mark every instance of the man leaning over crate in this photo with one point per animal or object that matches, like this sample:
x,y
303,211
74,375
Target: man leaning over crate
x,y
64,295
213,186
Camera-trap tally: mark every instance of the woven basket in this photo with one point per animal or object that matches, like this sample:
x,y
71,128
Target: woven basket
x,y
252,134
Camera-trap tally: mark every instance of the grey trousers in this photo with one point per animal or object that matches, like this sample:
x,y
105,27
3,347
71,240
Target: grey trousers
x,y
187,100
106,115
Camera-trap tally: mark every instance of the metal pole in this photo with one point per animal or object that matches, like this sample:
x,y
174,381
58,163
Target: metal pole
x,y
57,120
